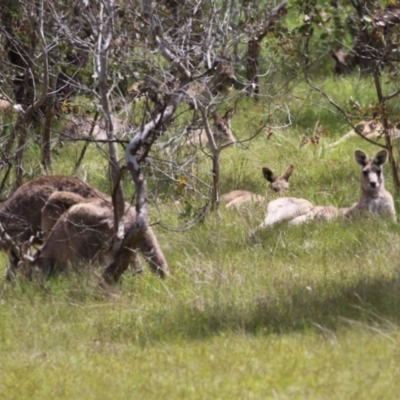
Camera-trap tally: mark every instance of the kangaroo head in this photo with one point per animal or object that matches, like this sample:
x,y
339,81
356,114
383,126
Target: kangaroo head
x,y
223,129
278,184
371,174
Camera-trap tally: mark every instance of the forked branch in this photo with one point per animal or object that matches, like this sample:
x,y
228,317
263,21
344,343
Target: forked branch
x,y
135,153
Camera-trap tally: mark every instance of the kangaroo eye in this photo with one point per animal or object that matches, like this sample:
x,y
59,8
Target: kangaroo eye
x,y
365,173
378,172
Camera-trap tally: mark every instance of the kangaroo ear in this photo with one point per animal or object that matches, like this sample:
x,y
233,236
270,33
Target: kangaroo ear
x,y
287,174
269,175
381,157
361,158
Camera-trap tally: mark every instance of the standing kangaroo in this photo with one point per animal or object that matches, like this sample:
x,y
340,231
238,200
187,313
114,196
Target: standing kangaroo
x,y
37,205
279,184
374,197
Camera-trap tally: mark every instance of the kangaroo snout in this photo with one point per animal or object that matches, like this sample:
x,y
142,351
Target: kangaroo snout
x,y
373,184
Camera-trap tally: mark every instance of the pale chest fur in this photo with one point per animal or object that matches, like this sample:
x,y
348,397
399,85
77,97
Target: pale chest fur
x,y
382,204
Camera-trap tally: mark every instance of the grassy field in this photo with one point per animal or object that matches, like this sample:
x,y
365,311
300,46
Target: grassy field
x,y
308,312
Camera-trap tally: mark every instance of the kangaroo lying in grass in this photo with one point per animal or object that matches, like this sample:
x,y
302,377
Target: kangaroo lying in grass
x,y
375,198
279,184
297,211
370,129
37,206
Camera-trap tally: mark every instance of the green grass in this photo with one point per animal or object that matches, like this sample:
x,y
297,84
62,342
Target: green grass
x,y
289,313
225,366
304,312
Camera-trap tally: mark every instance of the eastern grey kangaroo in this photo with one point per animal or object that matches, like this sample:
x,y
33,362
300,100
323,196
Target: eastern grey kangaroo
x,y
80,231
222,131
279,184
24,215
374,197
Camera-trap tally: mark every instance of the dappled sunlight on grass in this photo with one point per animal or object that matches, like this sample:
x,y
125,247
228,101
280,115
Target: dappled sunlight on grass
x,y
290,312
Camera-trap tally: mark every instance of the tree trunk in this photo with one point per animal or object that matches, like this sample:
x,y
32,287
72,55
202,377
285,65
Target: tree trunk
x,y
252,65
25,117
388,137
104,41
49,114
215,198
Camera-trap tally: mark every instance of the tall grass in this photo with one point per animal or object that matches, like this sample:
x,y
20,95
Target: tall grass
x,y
289,312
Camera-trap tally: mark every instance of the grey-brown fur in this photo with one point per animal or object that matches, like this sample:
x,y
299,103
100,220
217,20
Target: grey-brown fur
x,y
222,131
370,129
83,234
5,105
22,214
375,198
80,126
279,184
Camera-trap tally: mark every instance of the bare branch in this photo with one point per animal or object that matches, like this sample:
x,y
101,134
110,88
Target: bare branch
x,y
105,35
391,95
340,109
15,248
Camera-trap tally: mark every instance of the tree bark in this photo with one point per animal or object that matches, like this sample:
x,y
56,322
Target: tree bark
x,y
48,120
215,198
104,41
386,128
135,153
254,45
25,117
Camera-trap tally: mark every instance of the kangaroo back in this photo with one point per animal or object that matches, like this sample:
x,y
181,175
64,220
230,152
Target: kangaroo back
x,y
78,221
297,211
83,234
21,214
